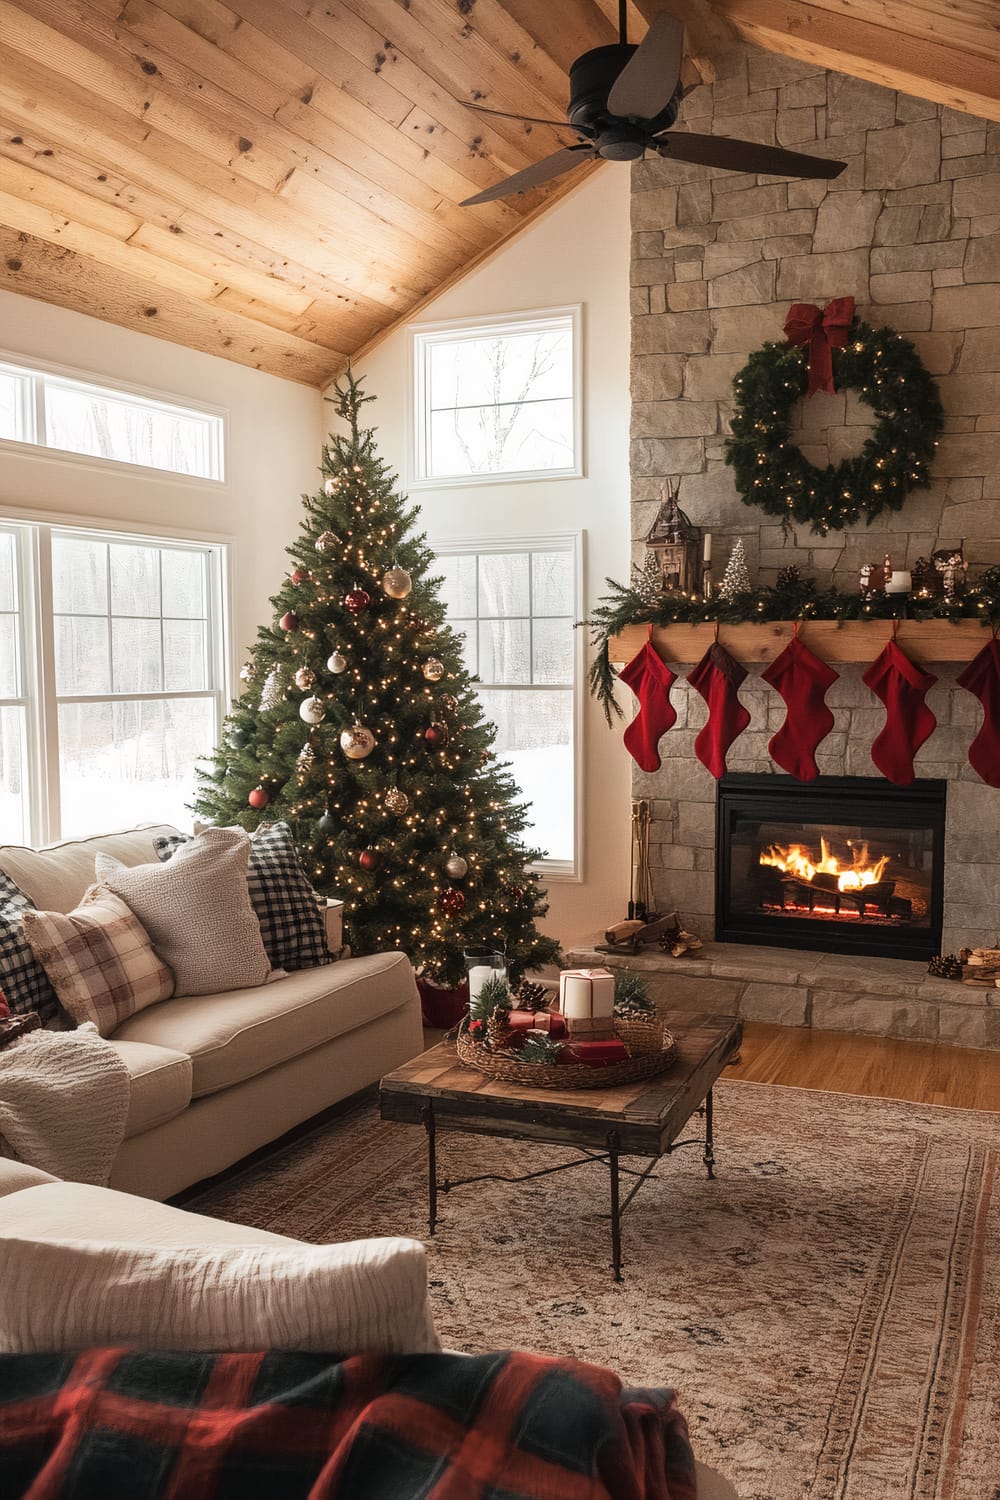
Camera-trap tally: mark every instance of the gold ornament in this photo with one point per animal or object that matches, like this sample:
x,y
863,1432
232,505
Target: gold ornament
x,y
312,710
455,867
305,678
448,704
433,669
337,663
397,583
326,541
357,742
396,801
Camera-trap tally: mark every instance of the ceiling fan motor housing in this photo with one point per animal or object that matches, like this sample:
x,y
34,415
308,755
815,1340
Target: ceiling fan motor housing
x,y
591,79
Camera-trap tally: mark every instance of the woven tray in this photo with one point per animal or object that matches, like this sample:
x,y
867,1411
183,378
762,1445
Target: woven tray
x,y
507,1067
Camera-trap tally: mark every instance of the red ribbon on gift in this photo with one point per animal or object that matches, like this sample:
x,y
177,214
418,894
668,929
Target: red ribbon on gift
x,y
823,332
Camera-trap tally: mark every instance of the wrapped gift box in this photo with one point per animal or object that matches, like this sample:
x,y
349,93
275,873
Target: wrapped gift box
x,y
594,1054
537,1020
587,1002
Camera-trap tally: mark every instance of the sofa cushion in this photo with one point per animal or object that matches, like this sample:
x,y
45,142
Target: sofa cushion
x,y
285,904
57,877
15,1176
240,1033
161,1084
197,911
56,1210
100,961
25,984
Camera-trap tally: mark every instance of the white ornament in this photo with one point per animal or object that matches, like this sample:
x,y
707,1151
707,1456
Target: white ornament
x,y
330,487
272,692
397,583
247,672
433,669
357,742
326,541
455,867
305,678
305,758
312,710
337,662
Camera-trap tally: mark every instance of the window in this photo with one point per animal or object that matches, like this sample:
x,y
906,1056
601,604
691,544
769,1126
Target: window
x,y
52,410
111,678
516,602
497,399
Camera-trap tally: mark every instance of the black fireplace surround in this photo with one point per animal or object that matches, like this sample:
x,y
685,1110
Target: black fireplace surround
x,y
843,864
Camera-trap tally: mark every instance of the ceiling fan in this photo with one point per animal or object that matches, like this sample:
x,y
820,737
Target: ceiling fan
x,y
623,101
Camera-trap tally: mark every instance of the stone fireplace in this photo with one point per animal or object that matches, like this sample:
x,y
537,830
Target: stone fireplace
x,y
911,230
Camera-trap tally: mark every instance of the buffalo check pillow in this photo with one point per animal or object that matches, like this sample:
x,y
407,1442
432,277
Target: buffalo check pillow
x,y
291,922
24,981
100,960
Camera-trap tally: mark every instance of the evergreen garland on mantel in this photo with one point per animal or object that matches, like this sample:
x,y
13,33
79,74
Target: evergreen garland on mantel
x,y
798,599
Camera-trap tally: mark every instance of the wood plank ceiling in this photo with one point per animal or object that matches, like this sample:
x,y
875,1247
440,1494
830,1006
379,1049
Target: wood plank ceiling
x,y
277,181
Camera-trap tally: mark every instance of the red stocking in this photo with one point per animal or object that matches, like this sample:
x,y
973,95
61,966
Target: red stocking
x,y
717,677
650,679
901,685
982,677
802,680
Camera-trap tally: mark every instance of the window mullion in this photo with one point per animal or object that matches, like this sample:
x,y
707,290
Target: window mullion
x,y
40,434
47,822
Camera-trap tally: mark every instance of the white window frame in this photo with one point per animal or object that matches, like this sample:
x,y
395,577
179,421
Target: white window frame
x,y
37,644
422,336
568,871
40,373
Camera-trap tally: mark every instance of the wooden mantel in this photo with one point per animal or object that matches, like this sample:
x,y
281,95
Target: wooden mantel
x,y
833,640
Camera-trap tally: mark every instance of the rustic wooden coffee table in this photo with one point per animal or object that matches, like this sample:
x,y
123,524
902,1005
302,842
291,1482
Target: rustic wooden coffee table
x,y
644,1119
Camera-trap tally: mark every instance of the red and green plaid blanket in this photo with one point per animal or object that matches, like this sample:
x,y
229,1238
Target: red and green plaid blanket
x,y
113,1422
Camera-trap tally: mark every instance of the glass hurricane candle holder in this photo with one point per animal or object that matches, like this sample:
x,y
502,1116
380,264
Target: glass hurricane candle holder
x,y
482,964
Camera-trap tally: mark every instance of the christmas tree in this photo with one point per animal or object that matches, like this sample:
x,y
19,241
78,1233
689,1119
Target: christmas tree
x,y
736,578
360,726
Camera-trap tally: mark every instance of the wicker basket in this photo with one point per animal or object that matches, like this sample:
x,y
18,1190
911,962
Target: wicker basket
x,y
647,1060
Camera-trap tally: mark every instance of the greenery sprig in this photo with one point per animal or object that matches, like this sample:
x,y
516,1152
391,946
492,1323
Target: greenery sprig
x,y
801,600
772,473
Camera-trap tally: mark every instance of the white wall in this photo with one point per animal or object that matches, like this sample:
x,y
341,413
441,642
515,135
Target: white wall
x,y
577,252
275,432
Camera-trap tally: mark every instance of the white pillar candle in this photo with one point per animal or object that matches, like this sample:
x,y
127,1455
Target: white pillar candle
x,y
707,554
478,977
900,582
586,992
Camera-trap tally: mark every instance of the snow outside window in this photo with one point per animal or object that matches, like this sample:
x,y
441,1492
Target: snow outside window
x,y
515,603
498,399
111,678
58,411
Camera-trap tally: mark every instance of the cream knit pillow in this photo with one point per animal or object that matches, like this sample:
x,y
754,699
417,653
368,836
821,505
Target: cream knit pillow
x,y
197,911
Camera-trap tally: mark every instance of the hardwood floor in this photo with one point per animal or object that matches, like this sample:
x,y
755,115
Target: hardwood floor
x,y
920,1071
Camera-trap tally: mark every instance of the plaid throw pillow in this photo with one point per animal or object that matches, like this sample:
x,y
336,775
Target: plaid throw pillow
x,y
285,904
100,961
24,981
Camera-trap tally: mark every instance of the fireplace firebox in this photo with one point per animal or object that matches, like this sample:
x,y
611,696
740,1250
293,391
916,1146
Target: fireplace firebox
x,y
843,864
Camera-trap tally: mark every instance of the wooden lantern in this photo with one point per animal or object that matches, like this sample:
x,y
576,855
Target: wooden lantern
x,y
676,545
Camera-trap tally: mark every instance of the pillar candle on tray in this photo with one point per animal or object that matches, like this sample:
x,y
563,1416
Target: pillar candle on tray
x,y
479,974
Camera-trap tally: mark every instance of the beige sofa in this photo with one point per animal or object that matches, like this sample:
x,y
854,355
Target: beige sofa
x,y
215,1077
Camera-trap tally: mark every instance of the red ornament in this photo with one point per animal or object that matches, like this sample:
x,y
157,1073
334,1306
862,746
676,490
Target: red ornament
x,y
370,860
451,901
301,575
289,621
436,735
514,893
357,601
258,797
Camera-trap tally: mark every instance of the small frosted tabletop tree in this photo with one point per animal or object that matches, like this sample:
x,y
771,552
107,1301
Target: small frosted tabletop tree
x,y
360,726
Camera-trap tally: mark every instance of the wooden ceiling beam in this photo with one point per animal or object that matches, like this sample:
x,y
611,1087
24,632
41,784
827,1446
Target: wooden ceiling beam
x,y
884,55
34,268
973,26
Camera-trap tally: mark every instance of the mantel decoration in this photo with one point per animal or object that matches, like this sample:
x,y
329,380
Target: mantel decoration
x,y
827,351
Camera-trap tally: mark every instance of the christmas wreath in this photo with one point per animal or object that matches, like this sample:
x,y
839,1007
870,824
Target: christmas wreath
x,y
886,371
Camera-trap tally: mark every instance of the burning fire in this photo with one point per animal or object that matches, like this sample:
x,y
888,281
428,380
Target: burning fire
x,y
793,859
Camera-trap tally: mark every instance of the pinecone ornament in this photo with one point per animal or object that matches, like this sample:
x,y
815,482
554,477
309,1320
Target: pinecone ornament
x,y
497,1031
789,578
632,1002
531,996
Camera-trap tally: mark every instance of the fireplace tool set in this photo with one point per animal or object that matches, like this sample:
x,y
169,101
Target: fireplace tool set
x,y
644,925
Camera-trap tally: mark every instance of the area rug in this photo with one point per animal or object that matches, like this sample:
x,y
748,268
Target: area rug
x,y
829,1307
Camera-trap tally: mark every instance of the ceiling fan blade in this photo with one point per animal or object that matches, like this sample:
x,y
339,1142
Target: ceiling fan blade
x,y
744,156
648,80
542,171
502,114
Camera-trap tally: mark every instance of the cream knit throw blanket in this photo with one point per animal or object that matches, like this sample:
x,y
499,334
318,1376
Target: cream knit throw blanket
x,y
64,1098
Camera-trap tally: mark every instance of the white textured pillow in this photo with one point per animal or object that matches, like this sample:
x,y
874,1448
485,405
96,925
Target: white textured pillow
x,y
197,911
366,1296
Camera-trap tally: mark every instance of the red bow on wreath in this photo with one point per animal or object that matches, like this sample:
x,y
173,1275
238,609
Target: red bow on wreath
x,y
822,331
